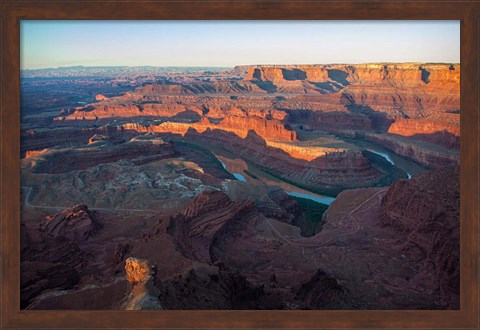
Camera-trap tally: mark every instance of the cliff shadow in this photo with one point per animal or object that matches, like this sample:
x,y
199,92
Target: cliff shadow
x,y
328,86
267,86
425,75
294,74
338,76
379,120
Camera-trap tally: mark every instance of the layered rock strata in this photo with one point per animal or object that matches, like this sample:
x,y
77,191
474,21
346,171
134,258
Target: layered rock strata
x,y
427,210
77,224
140,149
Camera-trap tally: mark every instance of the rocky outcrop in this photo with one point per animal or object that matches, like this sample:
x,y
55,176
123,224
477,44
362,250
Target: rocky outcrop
x,y
321,292
441,133
100,97
96,138
205,220
144,293
427,210
47,263
411,89
284,207
77,224
406,90
287,73
32,153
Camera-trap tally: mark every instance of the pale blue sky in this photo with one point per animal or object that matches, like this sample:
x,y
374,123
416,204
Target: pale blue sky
x,y
229,43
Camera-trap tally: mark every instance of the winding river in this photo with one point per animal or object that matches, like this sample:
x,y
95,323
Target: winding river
x,y
387,157
288,188
408,166
237,176
316,198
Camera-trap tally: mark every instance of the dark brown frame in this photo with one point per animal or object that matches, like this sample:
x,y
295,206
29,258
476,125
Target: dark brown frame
x,y
14,11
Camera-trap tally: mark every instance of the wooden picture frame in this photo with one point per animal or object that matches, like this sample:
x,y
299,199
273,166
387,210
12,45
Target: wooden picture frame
x,y
13,11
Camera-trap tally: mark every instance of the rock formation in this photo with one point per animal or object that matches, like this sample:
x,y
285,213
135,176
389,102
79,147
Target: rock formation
x,y
427,209
240,126
371,84
444,134
141,149
205,220
410,89
320,291
427,154
100,97
144,293
327,172
77,224
97,137
47,263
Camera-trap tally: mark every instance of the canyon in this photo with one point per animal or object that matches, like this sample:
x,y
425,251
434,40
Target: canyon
x,y
256,187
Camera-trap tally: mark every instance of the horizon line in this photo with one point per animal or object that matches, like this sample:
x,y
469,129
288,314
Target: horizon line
x,y
225,67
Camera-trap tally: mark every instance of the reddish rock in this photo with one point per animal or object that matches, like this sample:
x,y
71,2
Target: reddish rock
x,y
445,134
77,224
137,270
32,153
427,209
100,97
97,137
204,220
331,170
144,293
240,126
428,154
47,263
284,207
36,141
109,109
409,88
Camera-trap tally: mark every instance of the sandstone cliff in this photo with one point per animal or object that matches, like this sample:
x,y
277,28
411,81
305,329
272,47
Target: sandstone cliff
x,y
445,134
411,90
426,154
240,126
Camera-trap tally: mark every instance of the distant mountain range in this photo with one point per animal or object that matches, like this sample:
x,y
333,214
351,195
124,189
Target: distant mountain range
x,y
109,71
